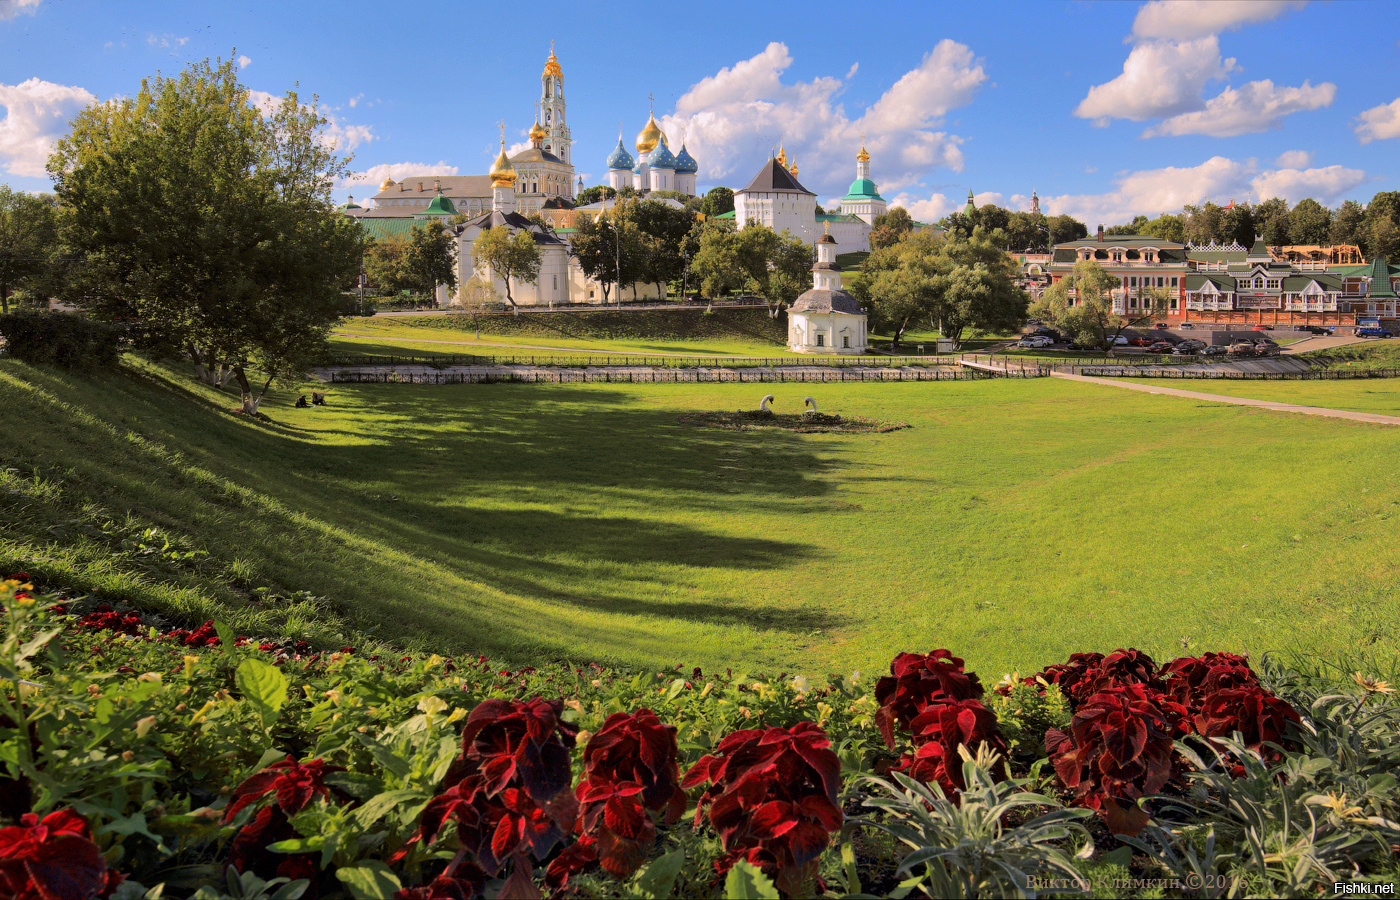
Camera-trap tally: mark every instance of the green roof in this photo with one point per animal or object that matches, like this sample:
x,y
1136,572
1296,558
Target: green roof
x,y
835,218
388,229
1123,240
863,189
441,206
724,215
1380,278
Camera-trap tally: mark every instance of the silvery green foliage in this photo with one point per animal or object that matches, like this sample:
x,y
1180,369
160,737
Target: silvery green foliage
x,y
964,849
1270,830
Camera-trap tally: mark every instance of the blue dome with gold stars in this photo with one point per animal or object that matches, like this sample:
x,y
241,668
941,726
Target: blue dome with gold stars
x,y
620,158
662,157
685,163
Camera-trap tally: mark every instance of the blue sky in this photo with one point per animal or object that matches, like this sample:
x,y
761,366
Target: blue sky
x,y
1106,109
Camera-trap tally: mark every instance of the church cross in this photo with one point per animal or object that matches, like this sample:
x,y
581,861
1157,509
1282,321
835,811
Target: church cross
x,y
502,125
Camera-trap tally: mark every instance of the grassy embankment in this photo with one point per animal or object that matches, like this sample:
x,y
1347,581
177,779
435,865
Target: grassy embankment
x,y
1016,522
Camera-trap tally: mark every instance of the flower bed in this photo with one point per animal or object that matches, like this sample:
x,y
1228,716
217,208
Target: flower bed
x,y
217,765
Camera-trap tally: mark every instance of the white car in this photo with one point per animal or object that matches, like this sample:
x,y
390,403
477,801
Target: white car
x,y
1035,342
1119,341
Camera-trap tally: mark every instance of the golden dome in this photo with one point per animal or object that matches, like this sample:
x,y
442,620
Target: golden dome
x,y
793,168
388,183
862,155
537,133
502,174
551,66
782,156
650,136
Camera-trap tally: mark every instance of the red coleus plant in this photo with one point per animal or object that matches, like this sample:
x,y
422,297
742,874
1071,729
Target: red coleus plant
x,y
50,859
294,785
508,792
939,731
1260,718
629,773
1067,675
916,681
1118,749
772,799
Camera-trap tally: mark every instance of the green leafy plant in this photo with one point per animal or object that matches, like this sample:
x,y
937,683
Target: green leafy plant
x,y
967,849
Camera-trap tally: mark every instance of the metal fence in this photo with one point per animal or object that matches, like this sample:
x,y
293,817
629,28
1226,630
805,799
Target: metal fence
x,y
671,376
611,360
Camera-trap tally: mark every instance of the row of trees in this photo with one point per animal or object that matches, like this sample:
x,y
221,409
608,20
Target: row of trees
x,y
1375,227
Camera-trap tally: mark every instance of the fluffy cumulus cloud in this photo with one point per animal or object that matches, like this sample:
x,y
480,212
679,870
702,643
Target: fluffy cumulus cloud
x,y
366,183
36,115
1184,20
340,136
732,120
1258,106
1379,123
1177,54
1154,191
11,8
1160,78
929,209
244,61
1294,159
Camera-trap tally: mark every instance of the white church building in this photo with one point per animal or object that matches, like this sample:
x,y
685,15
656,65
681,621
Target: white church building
x,y
826,319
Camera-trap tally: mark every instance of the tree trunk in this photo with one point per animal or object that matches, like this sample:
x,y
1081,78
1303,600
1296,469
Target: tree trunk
x,y
250,399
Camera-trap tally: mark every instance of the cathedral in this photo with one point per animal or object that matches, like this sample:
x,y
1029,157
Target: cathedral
x,y
655,168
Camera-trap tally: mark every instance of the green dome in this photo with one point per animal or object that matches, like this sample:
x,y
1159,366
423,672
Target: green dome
x,y
863,188
441,206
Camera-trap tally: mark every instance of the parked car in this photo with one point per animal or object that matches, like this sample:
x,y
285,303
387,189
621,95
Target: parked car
x,y
1213,350
1118,340
1139,341
1314,329
1159,347
1369,331
1243,348
1162,325
1262,328
1187,326
1034,342
1191,343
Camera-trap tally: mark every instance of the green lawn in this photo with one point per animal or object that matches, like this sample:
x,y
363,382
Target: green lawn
x,y
1372,395
1015,522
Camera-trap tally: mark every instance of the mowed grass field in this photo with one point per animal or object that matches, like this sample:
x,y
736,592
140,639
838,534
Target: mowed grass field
x,y
1015,522
1379,395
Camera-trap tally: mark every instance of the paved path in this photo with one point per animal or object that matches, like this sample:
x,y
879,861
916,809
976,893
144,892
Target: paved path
x,y
1238,401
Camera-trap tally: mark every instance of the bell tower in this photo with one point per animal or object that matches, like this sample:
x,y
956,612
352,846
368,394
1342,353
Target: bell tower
x,y
556,130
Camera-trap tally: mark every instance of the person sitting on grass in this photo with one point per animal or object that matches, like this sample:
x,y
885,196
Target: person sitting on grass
x,y
318,399
301,402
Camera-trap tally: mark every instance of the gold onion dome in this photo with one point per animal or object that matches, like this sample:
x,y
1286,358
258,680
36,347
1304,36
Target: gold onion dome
x,y
793,168
551,66
782,156
863,156
502,174
388,183
537,132
650,136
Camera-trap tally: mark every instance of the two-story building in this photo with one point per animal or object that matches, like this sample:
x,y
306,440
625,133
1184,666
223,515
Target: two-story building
x,y
1234,285
1141,263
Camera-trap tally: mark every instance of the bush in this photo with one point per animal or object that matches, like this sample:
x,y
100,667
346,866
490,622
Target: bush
x,y
61,339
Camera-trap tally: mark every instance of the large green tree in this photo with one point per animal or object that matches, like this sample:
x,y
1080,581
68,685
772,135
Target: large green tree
x,y
889,228
27,235
511,256
210,223
666,228
1309,223
717,202
610,248
431,258
952,283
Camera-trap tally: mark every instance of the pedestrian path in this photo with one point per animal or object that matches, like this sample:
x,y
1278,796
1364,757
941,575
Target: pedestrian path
x,y
1238,401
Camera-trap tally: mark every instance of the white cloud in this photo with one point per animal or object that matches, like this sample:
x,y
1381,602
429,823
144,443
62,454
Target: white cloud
x,y
1379,123
1294,159
931,210
1185,20
1154,191
340,136
369,180
1160,78
1258,106
1327,185
734,118
165,41
355,100
37,114
11,8
243,61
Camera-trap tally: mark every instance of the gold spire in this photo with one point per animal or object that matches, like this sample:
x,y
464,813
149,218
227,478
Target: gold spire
x,y
502,174
793,168
782,156
551,66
